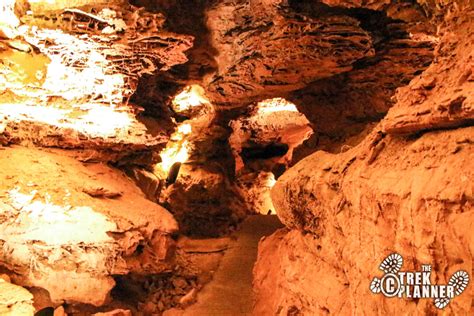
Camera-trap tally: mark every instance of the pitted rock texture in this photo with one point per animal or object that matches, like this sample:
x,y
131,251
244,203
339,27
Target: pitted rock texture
x,y
67,78
406,188
268,49
433,101
268,135
136,145
344,106
349,211
84,223
203,200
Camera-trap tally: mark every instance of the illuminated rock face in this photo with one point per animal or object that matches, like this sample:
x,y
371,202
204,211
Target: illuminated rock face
x,y
15,300
272,131
68,76
89,88
411,194
195,169
68,228
275,50
360,215
263,141
349,211
437,103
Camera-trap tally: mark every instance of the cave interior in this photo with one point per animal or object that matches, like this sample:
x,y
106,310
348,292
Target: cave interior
x,y
235,157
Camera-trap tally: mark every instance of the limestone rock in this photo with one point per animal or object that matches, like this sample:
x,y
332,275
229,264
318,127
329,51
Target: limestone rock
x,y
67,83
57,237
116,312
15,300
271,49
370,4
271,131
59,311
344,107
147,181
133,145
432,101
255,189
410,194
40,7
203,201
413,197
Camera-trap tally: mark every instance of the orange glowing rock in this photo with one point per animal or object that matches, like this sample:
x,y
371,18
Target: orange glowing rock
x,y
272,122
192,102
63,220
192,96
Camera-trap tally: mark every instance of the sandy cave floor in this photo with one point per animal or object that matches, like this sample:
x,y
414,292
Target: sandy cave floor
x,y
230,290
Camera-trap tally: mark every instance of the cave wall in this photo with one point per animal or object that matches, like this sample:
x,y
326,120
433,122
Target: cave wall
x,y
71,220
403,185
406,188
267,49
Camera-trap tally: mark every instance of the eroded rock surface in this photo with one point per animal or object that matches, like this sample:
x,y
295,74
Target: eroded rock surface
x,y
349,211
343,108
63,220
269,49
270,132
411,194
68,73
15,300
436,101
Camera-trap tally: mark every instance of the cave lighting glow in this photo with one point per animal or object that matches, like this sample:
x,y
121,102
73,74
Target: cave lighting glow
x,y
189,97
88,98
55,224
173,154
7,14
269,184
275,105
177,149
90,119
271,180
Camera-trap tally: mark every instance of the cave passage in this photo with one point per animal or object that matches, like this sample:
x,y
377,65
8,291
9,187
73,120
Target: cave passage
x,y
244,157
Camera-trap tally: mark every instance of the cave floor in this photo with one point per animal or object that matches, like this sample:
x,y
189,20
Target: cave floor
x,y
230,291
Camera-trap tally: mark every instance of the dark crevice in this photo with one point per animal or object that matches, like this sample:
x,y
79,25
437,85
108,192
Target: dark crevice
x,y
264,152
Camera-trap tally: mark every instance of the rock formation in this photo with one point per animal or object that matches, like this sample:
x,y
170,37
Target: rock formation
x,y
406,188
272,49
84,223
14,300
70,222
136,136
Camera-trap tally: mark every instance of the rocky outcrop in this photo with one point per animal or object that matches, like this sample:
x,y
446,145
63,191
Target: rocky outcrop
x,y
269,134
88,58
62,220
15,300
267,49
203,199
350,211
132,145
411,194
436,102
345,105
195,174
263,141
343,108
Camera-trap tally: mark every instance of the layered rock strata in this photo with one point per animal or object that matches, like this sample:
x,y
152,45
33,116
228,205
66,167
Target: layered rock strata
x,y
407,188
69,227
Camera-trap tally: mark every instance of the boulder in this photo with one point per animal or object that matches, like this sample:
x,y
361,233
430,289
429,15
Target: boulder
x,y
69,227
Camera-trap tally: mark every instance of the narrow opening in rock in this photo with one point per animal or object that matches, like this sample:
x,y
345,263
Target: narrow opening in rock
x,y
248,157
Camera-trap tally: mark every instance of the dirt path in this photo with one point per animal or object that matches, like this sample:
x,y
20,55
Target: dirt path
x,y
230,291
